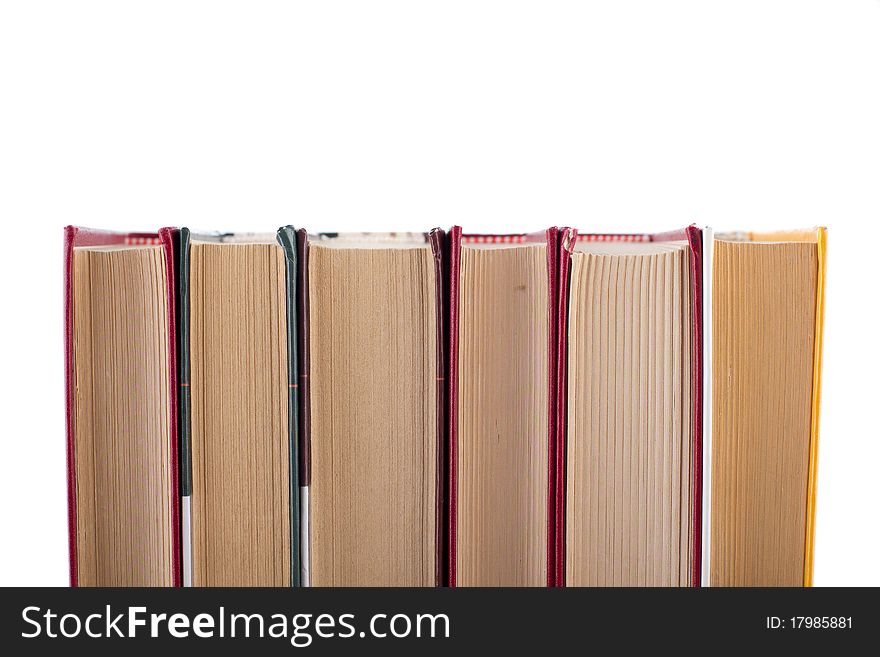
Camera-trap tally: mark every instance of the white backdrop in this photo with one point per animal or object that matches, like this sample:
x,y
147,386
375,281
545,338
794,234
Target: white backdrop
x,y
500,116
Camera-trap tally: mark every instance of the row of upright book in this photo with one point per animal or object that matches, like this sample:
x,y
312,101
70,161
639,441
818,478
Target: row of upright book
x,y
443,409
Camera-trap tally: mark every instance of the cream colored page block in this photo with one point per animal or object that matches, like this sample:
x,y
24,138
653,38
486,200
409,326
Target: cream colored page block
x,y
502,422
629,503
238,343
374,414
121,413
764,319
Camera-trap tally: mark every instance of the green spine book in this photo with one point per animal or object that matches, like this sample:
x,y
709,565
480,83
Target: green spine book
x,y
287,240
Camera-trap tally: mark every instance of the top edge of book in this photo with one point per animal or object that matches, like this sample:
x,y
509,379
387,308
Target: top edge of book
x,y
617,248
812,235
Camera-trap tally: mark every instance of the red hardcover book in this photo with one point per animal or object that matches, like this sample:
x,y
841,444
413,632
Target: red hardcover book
x,y
502,408
629,254
121,398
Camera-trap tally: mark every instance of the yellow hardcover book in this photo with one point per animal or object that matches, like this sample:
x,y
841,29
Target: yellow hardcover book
x,y
766,355
820,237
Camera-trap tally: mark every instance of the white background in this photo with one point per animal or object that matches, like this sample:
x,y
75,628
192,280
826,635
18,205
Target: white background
x,y
500,116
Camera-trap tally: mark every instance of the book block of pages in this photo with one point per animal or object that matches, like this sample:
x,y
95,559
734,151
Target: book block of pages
x,y
630,435
239,443
375,330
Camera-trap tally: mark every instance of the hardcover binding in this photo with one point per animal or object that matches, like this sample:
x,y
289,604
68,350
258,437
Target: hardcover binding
x,y
567,239
440,249
75,236
305,408
287,239
813,480
553,417
452,468
184,427
695,241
